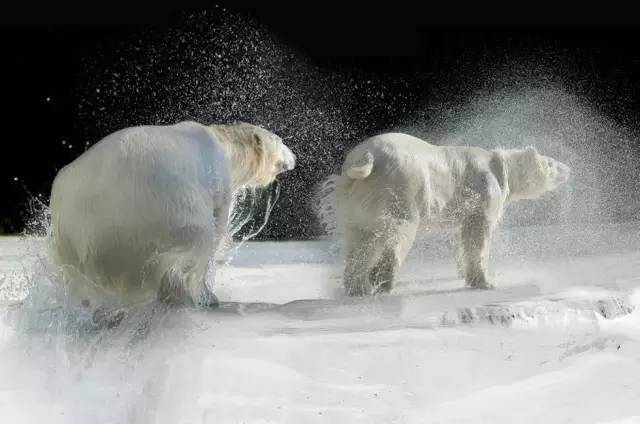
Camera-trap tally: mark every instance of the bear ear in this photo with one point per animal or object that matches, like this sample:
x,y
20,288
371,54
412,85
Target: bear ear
x,y
258,145
531,153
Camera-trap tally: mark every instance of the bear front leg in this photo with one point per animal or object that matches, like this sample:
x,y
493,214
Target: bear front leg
x,y
201,291
179,290
475,238
204,296
221,226
458,252
108,318
172,290
184,277
382,275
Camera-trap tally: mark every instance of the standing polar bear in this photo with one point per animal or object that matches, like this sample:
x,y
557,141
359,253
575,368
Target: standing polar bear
x,y
140,214
393,185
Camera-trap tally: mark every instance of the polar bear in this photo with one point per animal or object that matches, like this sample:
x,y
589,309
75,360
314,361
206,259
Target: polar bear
x,y
140,214
393,185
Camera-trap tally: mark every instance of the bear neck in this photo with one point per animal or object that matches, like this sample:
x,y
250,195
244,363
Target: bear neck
x,y
516,173
241,156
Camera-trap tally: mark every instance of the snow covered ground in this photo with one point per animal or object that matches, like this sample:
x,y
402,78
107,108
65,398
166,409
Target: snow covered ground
x,y
558,340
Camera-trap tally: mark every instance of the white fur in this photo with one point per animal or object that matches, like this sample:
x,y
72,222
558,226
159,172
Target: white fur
x,y
144,209
394,185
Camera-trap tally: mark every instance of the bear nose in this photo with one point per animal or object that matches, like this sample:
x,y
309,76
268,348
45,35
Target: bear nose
x,y
287,164
290,162
565,171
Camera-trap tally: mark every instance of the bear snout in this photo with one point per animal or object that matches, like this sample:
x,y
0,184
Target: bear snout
x,y
288,161
564,171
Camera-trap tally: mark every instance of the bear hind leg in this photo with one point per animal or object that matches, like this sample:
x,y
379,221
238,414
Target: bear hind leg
x,y
394,250
356,278
358,246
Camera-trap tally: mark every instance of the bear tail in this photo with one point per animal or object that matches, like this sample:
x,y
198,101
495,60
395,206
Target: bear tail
x,y
361,168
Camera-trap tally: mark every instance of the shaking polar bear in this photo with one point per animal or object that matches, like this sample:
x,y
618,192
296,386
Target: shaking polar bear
x,y
393,185
141,213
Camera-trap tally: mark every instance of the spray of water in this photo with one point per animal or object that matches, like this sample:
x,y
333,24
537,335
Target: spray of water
x,y
215,67
603,187
250,211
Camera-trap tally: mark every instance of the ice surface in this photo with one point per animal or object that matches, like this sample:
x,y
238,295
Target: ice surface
x,y
558,340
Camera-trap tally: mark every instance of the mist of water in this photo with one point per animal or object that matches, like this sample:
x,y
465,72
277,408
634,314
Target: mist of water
x,y
216,67
604,185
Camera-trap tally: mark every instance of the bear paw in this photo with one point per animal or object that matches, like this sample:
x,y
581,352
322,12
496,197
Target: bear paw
x,y
105,318
383,288
358,290
480,282
208,301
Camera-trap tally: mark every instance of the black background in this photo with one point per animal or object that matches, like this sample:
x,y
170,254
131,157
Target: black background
x,y
415,56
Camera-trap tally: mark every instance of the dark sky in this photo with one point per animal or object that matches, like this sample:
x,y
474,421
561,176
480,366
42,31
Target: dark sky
x,y
70,76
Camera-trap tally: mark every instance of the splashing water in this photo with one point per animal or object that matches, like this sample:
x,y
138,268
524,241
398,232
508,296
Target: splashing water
x,y
245,221
64,344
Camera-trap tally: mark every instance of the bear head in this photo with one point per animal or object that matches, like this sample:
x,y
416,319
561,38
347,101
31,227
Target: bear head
x,y
532,174
257,156
276,156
